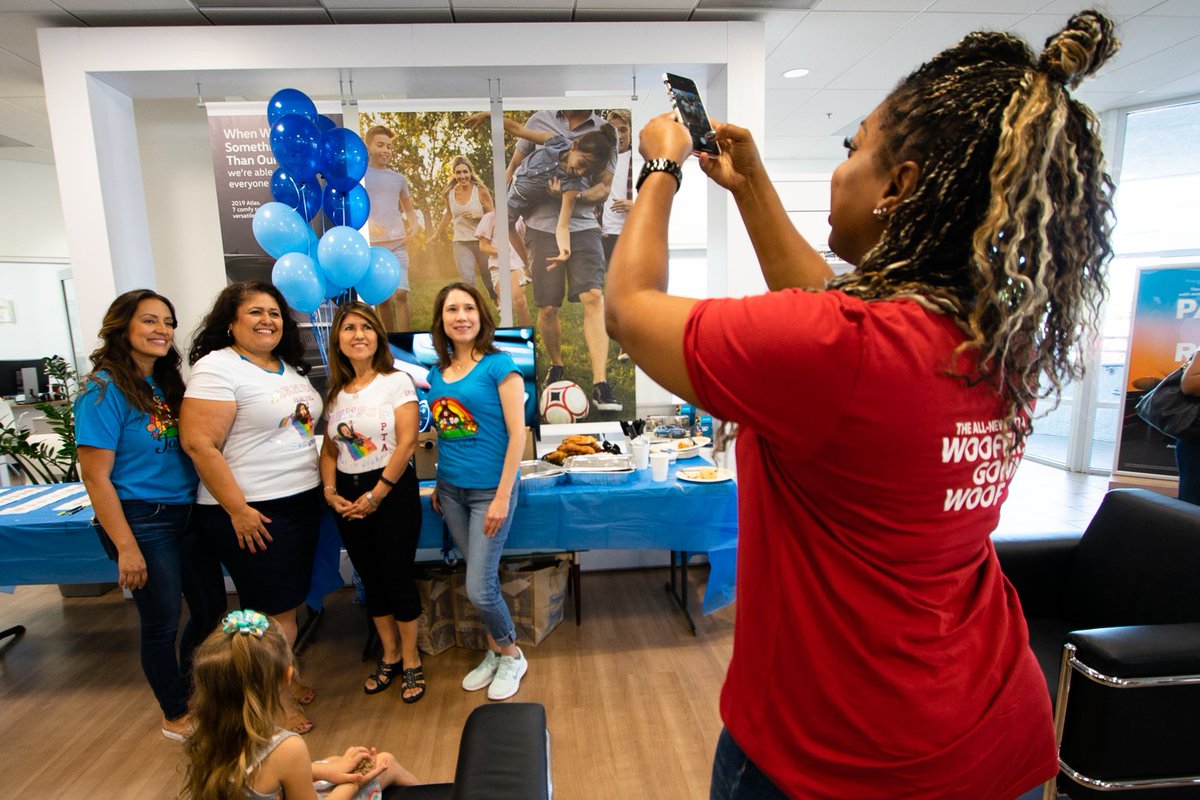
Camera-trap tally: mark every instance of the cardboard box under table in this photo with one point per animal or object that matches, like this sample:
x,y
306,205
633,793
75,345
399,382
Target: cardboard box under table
x,y
534,590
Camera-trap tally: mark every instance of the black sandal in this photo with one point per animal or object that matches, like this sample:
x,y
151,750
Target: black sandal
x,y
382,676
414,678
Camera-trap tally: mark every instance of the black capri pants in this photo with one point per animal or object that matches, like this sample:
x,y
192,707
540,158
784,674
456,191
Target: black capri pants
x,y
383,545
276,579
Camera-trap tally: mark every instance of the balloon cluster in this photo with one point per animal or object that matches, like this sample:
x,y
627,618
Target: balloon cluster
x,y
310,147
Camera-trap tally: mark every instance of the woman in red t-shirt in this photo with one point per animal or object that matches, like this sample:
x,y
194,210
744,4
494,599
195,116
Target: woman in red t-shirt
x,y
878,650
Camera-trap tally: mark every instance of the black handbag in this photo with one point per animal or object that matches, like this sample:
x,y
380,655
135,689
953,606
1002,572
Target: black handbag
x,y
1167,409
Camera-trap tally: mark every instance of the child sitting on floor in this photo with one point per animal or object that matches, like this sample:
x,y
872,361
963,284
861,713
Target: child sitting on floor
x,y
240,751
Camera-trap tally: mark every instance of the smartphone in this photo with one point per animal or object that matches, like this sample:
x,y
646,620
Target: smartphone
x,y
689,109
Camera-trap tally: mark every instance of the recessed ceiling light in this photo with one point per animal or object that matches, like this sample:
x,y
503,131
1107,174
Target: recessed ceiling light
x,y
795,73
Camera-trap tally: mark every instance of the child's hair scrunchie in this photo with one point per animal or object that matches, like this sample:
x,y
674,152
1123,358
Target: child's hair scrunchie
x,y
247,621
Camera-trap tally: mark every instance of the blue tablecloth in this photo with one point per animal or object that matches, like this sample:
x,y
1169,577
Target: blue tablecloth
x,y
43,547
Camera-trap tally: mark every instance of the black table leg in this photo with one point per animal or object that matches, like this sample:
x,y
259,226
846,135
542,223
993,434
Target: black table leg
x,y
679,592
306,628
575,588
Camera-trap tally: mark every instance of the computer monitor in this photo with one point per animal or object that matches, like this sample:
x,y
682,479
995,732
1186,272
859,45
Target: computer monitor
x,y
11,382
414,353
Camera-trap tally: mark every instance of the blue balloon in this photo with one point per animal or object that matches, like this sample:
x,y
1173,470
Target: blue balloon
x,y
296,143
343,158
304,197
324,123
279,229
291,101
295,275
344,256
382,278
347,208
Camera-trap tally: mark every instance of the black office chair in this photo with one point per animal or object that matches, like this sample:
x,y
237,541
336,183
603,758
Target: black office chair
x,y
1114,619
504,755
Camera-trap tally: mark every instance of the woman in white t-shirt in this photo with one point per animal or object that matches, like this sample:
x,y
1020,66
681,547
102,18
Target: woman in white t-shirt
x,y
467,200
372,433
247,421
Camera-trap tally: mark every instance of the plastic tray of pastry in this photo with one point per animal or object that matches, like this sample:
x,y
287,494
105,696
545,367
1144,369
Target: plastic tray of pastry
x,y
601,469
537,476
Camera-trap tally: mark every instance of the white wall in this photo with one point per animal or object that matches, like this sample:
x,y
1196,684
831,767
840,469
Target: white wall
x,y
33,251
33,225
181,207
41,327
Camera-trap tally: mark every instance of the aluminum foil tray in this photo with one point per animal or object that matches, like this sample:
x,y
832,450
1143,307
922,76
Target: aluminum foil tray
x,y
538,476
598,462
603,478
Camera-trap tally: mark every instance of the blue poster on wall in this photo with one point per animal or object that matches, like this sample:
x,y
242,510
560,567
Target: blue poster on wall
x,y
1165,332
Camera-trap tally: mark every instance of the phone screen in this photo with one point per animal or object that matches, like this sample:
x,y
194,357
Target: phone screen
x,y
685,99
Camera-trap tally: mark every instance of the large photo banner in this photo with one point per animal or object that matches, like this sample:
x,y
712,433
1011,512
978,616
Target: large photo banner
x,y
1165,332
569,184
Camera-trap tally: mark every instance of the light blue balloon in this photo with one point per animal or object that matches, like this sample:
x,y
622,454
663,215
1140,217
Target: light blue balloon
x,y
279,229
295,275
382,278
344,255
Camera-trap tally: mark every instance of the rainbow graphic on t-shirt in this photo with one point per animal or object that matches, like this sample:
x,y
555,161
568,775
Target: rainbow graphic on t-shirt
x,y
163,424
301,419
356,444
452,419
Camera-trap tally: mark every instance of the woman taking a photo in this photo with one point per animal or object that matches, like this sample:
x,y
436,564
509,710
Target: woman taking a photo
x,y
247,423
467,200
369,482
477,399
974,206
142,486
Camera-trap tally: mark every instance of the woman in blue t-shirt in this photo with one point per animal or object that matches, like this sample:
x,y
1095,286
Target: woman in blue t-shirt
x,y
477,399
142,486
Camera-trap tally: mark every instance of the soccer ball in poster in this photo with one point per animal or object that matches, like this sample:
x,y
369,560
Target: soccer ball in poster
x,y
563,402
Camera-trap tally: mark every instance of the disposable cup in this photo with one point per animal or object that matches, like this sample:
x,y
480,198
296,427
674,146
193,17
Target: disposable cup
x,y
641,454
659,464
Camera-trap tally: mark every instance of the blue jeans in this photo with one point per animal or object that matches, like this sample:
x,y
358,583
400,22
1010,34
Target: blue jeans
x,y
175,566
734,776
464,511
1187,458
472,261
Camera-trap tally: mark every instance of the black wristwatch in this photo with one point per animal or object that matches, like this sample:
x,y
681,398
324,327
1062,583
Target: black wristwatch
x,y
660,165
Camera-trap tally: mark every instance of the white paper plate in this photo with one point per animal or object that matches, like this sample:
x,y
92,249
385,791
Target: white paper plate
x,y
704,474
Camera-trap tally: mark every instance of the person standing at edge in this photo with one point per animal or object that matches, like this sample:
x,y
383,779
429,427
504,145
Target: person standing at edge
x,y
974,206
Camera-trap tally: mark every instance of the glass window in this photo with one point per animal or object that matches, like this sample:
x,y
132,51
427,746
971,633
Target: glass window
x,y
1157,204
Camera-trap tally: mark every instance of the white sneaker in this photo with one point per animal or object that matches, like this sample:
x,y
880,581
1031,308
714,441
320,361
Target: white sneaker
x,y
508,676
482,675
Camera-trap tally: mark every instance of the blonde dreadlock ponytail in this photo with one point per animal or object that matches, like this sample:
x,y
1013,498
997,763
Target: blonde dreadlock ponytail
x,y
1007,229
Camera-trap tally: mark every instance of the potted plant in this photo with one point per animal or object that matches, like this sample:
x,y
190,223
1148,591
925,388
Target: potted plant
x,y
48,462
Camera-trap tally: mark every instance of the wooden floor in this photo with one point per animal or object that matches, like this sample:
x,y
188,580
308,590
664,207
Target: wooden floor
x,y
631,696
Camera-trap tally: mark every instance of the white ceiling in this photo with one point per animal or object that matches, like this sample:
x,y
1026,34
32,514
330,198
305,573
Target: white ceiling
x,y
855,49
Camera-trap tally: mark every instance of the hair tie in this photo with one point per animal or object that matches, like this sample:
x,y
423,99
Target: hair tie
x,y
247,621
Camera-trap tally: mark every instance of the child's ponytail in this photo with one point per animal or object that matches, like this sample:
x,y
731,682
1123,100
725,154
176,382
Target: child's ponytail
x,y
238,676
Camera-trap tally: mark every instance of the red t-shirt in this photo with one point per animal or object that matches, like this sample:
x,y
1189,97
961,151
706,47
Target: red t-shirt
x,y
878,652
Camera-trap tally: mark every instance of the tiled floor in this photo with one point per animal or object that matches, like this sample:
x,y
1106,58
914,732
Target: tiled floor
x,y
1045,499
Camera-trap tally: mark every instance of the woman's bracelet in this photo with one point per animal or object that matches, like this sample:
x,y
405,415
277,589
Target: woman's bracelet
x,y
330,490
371,499
386,480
